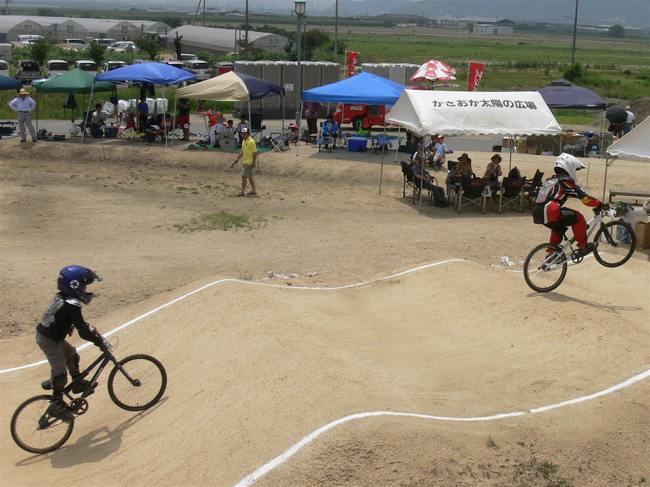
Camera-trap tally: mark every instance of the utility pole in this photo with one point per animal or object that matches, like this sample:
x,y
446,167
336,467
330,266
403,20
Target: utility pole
x,y
246,35
336,31
575,28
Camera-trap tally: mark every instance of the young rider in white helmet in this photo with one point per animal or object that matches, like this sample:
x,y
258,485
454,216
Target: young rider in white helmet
x,y
549,210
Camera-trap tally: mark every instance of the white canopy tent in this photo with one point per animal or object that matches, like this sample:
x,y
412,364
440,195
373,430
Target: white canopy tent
x,y
474,113
426,112
633,145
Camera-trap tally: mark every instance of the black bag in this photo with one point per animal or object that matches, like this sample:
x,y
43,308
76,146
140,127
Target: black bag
x,y
514,173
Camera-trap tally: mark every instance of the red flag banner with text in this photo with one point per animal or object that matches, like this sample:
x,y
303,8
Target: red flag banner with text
x,y
474,75
352,58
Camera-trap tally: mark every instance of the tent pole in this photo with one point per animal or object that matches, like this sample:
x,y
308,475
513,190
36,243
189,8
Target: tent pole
x,y
513,140
608,162
423,166
299,129
83,130
175,118
381,172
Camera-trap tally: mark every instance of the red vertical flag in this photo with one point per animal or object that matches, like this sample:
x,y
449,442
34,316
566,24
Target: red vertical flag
x,y
474,75
352,63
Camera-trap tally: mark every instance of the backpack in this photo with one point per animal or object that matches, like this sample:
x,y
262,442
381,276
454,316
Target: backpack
x,y
70,101
514,173
547,190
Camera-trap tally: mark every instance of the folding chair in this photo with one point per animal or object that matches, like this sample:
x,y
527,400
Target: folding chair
x,y
472,192
381,142
257,129
510,193
532,187
280,143
411,182
324,140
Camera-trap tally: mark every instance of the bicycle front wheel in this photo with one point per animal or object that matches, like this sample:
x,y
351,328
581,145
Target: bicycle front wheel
x,y
616,243
35,430
137,382
544,270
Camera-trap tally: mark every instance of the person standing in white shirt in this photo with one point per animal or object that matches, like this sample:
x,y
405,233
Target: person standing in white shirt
x,y
23,105
629,123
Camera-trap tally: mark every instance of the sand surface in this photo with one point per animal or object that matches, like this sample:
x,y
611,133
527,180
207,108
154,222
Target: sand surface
x,y
364,322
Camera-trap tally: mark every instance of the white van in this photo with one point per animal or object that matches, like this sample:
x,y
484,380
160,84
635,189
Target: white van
x,y
26,40
104,42
55,67
200,68
86,65
78,44
4,68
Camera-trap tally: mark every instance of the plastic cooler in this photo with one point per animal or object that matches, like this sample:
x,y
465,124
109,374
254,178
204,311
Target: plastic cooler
x,y
356,143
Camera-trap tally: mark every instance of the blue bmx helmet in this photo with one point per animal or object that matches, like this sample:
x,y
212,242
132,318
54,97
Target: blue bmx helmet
x,y
73,280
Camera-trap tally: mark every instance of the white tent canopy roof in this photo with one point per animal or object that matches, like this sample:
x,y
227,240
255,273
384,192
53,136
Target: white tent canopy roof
x,y
427,112
635,144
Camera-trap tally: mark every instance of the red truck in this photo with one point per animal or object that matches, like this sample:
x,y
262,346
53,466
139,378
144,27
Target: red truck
x,y
352,113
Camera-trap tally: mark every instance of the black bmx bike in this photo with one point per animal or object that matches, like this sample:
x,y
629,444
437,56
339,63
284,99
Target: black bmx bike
x,y
546,265
135,383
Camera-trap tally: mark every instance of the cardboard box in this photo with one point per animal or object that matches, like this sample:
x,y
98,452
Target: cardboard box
x,y
356,143
642,231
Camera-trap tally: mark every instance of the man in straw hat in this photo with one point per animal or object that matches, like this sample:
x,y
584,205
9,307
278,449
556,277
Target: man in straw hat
x,y
23,104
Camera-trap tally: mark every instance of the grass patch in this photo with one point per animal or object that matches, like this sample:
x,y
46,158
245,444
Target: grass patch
x,y
221,221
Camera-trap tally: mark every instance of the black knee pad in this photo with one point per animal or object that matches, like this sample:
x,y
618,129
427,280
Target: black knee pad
x,y
73,365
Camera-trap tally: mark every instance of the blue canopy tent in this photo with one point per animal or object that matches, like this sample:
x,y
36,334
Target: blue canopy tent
x,y
366,88
156,73
7,83
563,94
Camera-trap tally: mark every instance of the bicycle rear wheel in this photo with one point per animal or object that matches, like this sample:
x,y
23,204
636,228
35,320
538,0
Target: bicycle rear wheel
x,y
616,243
543,270
35,430
144,386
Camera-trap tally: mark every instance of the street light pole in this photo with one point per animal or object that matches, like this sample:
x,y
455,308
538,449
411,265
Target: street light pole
x,y
301,7
575,28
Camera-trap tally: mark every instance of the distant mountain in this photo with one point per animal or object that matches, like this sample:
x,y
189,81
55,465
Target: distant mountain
x,y
628,13
632,13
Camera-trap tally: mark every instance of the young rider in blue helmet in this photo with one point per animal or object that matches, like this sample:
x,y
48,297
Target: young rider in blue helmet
x,y
59,320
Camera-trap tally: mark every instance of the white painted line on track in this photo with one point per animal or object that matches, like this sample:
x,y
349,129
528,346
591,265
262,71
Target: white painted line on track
x,y
282,286
257,474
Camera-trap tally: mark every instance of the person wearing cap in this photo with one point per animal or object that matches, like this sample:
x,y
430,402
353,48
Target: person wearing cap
x,y
249,153
629,123
23,104
493,171
439,152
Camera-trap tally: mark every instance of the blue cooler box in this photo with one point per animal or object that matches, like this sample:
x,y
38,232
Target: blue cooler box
x,y
355,143
110,132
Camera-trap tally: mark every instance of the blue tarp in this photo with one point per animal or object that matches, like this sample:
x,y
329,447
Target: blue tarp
x,y
563,94
364,88
10,83
157,73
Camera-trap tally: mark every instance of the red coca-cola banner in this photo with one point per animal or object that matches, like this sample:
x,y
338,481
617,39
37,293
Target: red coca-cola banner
x,y
474,75
352,58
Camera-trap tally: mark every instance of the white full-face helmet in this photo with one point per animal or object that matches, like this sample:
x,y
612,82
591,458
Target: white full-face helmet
x,y
570,164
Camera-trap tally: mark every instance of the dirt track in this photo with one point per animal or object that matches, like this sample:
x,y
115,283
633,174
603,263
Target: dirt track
x,y
254,368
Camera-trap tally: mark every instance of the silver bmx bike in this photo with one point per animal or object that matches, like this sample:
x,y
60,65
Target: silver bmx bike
x,y
546,265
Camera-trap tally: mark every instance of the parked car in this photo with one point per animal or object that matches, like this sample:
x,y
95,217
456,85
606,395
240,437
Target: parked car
x,y
221,68
111,65
55,67
353,112
200,68
28,70
124,46
4,68
86,65
78,44
189,57
104,42
176,63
